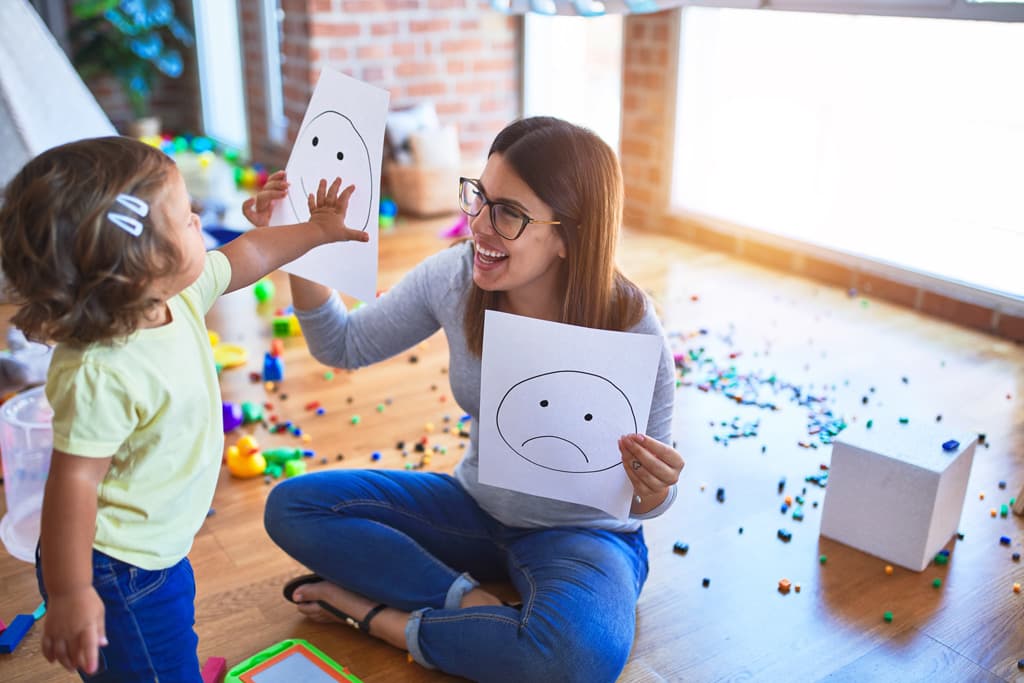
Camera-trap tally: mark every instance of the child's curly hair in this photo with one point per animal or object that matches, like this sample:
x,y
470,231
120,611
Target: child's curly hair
x,y
75,275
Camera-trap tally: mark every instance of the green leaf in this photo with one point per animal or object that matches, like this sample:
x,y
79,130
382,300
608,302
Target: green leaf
x,y
87,9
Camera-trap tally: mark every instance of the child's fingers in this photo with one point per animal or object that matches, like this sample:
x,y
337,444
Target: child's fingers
x,y
332,192
278,175
274,186
321,192
311,201
60,653
88,651
356,235
346,194
47,648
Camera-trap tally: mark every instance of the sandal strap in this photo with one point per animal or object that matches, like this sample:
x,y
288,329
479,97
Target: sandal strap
x,y
364,625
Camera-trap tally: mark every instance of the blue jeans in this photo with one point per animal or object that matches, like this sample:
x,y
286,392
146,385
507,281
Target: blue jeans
x,y
148,618
418,542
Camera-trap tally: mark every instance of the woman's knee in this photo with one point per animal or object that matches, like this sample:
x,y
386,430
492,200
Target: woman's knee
x,y
282,511
578,653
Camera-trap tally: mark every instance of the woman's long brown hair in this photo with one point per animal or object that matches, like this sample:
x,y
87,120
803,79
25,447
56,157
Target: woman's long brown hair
x,y
575,173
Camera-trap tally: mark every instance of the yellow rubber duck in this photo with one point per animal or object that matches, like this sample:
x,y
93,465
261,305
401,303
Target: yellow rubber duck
x,y
245,459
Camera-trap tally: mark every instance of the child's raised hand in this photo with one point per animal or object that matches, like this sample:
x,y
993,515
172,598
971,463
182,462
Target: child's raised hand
x,y
74,631
327,210
259,208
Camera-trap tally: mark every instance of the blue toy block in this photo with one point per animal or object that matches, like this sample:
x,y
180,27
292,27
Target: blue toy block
x,y
273,368
13,634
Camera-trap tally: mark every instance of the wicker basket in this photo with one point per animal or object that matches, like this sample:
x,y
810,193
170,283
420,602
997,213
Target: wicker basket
x,y
423,191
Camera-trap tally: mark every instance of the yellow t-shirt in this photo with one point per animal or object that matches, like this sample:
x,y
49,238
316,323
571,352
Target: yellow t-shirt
x,y
153,403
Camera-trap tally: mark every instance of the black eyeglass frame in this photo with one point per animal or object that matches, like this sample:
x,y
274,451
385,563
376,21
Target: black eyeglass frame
x,y
488,203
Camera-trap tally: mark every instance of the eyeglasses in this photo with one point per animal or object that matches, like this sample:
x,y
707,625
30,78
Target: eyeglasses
x,y
507,220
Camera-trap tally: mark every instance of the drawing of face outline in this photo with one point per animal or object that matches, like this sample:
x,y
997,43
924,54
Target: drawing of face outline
x,y
318,146
560,442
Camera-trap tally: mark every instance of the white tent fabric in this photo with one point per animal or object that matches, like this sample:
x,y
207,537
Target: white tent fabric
x,y
43,101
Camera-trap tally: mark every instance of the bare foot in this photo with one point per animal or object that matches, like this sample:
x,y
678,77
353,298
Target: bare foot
x,y
350,603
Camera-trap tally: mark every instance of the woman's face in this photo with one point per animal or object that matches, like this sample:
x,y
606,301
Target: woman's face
x,y
529,263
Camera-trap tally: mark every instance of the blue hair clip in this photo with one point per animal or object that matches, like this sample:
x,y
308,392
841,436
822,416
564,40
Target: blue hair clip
x,y
130,224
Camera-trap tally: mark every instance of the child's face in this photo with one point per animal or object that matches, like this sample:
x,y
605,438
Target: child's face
x,y
182,225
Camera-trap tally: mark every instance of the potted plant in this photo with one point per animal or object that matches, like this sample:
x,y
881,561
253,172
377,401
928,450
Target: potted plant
x,y
132,40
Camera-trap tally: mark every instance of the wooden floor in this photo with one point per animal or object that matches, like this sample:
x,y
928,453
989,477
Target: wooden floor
x,y
739,627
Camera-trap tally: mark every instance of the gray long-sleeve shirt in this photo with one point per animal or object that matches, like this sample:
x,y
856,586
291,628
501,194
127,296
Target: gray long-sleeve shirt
x,y
432,296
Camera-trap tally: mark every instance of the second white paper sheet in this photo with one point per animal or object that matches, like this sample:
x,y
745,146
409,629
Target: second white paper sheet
x,y
342,134
554,400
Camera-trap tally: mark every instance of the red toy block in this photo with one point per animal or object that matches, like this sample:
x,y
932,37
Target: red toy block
x,y
214,670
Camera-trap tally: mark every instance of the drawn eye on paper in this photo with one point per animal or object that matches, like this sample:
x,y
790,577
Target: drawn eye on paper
x,y
566,421
328,147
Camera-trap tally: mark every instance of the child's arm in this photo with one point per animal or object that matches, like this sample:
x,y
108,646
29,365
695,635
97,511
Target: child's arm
x,y
258,252
306,294
73,630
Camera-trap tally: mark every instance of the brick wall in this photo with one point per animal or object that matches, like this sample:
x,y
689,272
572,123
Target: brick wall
x,y
459,54
648,96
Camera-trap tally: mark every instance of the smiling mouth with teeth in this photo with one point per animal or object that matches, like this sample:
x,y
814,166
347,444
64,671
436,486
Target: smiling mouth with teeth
x,y
488,256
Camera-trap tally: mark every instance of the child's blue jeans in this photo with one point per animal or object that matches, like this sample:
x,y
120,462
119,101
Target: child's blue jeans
x,y
149,620
418,542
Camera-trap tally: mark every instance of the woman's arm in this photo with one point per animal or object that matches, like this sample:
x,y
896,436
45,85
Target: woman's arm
x,y
73,630
652,463
397,320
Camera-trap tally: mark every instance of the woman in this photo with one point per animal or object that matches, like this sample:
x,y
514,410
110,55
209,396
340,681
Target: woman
x,y
545,216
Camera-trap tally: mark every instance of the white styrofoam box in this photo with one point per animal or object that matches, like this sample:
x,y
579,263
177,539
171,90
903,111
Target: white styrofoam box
x,y
894,492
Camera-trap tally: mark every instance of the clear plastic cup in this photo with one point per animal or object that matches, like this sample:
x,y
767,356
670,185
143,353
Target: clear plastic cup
x,y
26,441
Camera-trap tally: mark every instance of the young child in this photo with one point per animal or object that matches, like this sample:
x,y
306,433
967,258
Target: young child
x,y
104,256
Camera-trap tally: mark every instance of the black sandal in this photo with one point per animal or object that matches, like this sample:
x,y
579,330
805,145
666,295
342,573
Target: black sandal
x,y
364,625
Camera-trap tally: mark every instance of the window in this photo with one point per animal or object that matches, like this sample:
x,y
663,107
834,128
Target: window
x,y
586,86
273,21
893,139
220,72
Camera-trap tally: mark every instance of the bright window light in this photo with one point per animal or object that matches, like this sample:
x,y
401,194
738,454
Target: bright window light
x,y
220,72
895,139
573,70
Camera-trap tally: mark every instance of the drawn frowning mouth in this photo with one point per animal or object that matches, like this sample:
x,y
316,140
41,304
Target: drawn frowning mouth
x,y
551,436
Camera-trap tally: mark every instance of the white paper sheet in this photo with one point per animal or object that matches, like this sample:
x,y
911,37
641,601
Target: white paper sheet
x,y
554,400
342,134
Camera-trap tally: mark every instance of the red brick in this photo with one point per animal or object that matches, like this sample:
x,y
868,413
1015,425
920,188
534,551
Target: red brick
x,y
484,65
429,26
407,69
831,272
403,49
959,312
890,290
323,29
384,28
429,89
372,51
1011,327
462,45
363,6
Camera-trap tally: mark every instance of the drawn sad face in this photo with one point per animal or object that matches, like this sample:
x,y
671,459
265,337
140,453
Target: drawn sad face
x,y
567,421
328,147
